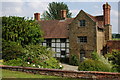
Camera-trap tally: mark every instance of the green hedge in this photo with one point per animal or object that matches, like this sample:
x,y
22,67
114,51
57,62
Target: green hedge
x,y
93,65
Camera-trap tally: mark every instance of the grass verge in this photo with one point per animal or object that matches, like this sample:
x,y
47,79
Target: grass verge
x,y
16,74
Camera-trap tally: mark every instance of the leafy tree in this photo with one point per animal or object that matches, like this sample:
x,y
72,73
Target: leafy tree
x,y
18,29
54,11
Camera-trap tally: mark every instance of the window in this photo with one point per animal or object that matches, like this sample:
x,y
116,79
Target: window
x,y
62,52
82,22
48,42
63,40
82,39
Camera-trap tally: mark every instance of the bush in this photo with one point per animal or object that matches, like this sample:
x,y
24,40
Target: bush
x,y
35,56
93,65
74,60
114,57
11,50
97,63
101,58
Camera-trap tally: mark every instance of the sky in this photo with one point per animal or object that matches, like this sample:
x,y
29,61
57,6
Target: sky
x,y
27,8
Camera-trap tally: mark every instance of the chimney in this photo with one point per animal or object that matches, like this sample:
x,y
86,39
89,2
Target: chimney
x,y
106,12
63,14
37,16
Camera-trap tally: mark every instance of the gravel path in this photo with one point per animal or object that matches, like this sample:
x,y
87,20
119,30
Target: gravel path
x,y
69,67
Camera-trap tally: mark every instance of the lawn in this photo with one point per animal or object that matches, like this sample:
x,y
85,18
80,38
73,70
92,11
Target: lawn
x,y
16,74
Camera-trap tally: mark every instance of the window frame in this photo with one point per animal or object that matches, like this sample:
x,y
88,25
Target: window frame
x,y
82,23
82,39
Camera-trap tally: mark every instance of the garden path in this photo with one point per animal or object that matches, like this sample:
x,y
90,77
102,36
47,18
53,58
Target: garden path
x,y
69,67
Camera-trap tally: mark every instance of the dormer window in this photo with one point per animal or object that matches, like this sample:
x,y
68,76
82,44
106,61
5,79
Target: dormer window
x,y
82,23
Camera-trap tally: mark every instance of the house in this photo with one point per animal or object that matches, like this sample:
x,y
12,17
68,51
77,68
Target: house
x,y
79,36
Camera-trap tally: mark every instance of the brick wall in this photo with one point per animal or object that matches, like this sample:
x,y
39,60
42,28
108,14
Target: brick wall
x,y
64,73
113,44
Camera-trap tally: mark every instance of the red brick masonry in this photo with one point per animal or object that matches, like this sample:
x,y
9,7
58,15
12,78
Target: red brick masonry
x,y
113,45
64,73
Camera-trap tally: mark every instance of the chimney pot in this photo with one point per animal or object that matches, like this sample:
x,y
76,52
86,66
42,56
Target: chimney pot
x,y
63,14
37,16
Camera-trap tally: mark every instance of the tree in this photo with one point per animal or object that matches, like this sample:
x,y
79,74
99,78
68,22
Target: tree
x,y
16,33
54,10
18,29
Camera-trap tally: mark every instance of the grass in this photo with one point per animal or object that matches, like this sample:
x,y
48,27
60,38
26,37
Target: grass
x,y
116,39
16,74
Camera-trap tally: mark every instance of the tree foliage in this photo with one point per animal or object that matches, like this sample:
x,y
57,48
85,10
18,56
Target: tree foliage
x,y
54,11
18,29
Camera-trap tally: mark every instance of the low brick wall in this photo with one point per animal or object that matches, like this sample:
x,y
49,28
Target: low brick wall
x,y
64,73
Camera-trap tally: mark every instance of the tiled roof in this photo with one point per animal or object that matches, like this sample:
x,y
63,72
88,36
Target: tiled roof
x,y
55,28
59,28
99,19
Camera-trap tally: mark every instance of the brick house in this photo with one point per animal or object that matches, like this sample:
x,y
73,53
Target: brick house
x,y
79,36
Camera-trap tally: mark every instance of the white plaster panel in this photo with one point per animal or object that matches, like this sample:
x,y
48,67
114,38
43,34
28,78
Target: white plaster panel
x,y
57,54
62,44
62,49
67,45
57,44
53,40
57,49
44,44
67,40
57,40
62,56
53,44
67,51
67,55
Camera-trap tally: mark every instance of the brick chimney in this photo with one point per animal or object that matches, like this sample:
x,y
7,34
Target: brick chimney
x,y
37,16
106,12
63,14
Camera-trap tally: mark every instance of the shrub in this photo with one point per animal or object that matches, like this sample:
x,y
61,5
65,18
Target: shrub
x,y
97,63
11,50
101,58
74,60
114,57
93,65
35,56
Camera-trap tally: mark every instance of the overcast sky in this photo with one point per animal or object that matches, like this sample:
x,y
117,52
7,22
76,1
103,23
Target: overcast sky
x,y
27,8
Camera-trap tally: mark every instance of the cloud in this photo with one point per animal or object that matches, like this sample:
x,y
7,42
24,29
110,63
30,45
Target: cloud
x,y
39,6
114,13
11,8
74,12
